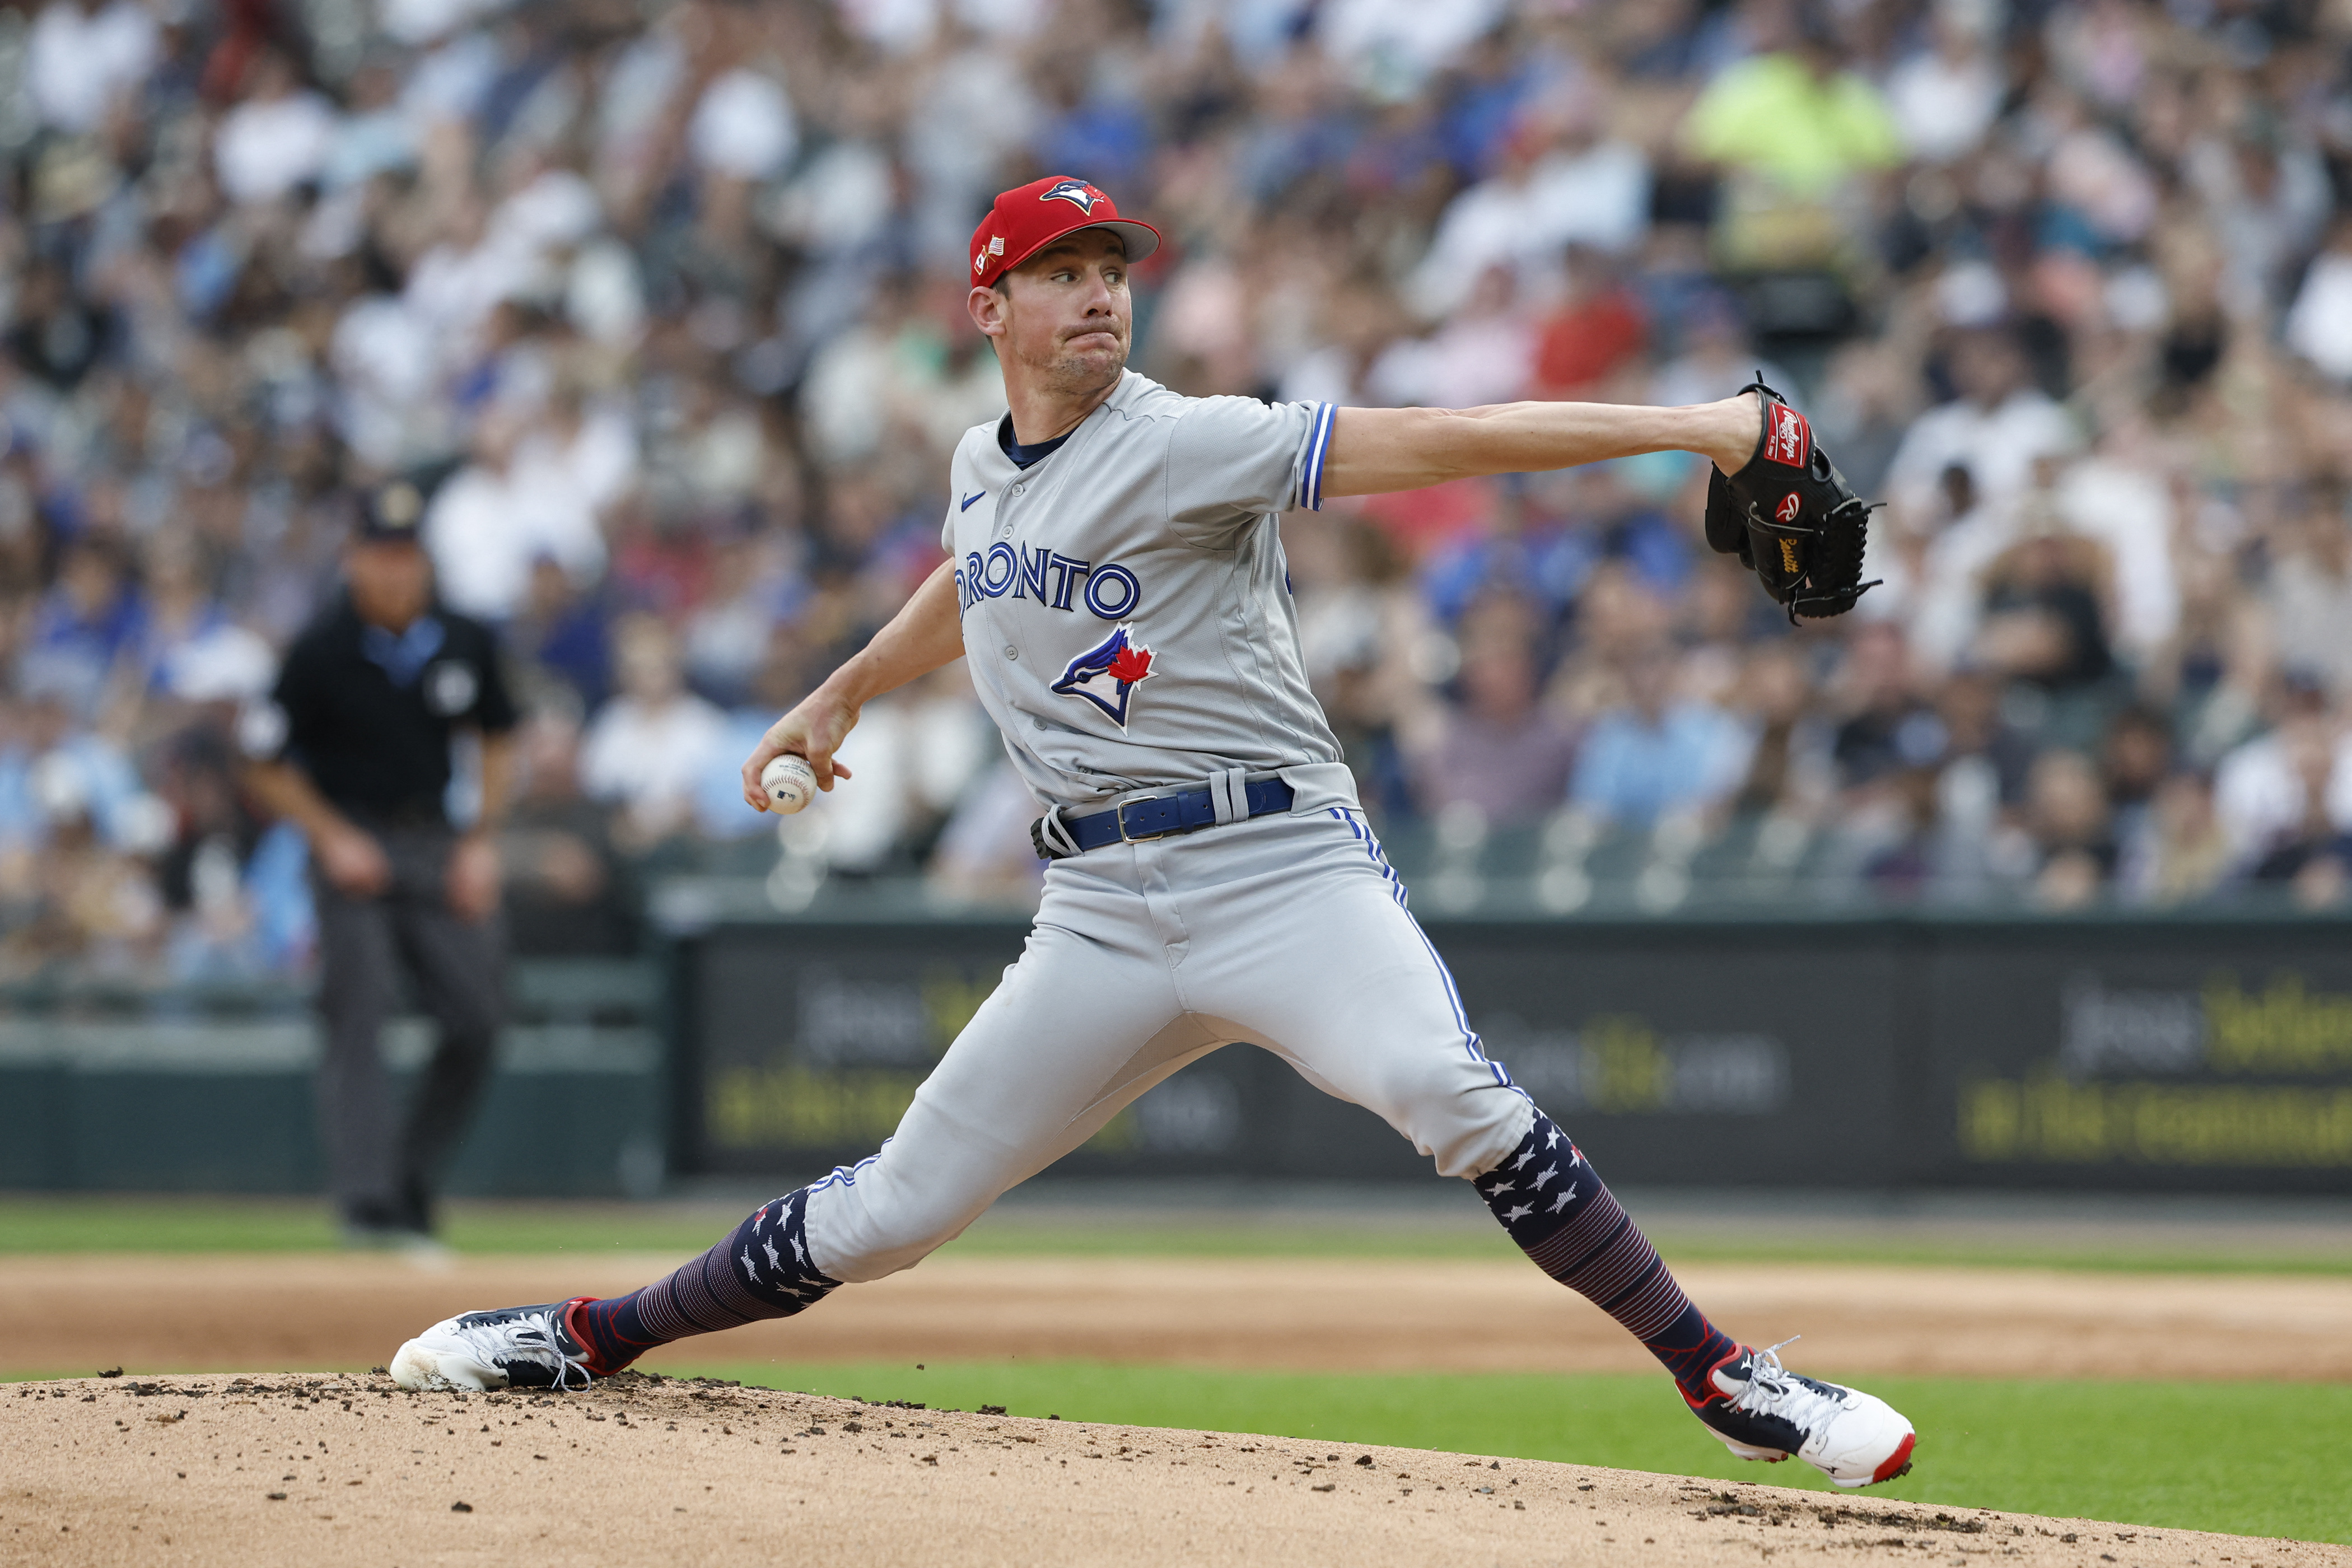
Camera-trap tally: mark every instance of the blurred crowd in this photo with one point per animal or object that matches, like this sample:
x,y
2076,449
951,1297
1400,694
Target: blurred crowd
x,y
654,310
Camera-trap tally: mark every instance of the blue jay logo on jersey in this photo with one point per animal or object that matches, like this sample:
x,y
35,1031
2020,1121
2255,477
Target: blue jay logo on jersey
x,y
1107,673
1077,192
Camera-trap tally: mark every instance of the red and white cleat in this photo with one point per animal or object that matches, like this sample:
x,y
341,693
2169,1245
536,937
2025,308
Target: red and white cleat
x,y
506,1347
1763,1410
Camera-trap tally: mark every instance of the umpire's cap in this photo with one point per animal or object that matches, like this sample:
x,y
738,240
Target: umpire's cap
x,y
390,513
1027,220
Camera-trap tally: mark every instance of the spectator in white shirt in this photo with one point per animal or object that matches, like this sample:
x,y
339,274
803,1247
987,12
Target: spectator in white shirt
x,y
1946,96
2319,327
2308,593
650,747
1996,428
478,538
80,57
530,494
743,126
1556,186
276,138
2289,786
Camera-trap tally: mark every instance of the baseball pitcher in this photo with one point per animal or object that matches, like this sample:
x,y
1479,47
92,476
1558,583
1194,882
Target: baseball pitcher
x,y
1115,579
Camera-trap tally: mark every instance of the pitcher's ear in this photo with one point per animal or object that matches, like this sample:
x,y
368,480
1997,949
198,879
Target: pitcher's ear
x,y
988,308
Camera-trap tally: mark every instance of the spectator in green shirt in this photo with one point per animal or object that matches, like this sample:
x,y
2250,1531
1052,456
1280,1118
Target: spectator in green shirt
x,y
1791,129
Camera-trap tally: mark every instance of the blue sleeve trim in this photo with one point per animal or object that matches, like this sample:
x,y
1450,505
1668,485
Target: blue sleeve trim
x,y
1318,443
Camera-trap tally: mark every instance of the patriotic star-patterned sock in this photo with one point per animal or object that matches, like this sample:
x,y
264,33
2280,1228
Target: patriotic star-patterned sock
x,y
760,1271
1554,1205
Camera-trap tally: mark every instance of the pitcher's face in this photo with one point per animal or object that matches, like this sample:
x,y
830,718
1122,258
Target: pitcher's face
x,y
1065,320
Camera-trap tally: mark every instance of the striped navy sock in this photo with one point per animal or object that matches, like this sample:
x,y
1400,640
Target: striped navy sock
x,y
760,1271
1553,1205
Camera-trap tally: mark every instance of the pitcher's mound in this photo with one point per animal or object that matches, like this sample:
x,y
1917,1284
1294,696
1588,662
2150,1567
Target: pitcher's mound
x,y
287,1468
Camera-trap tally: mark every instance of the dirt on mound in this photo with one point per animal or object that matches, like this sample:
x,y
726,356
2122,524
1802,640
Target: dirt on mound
x,y
277,1469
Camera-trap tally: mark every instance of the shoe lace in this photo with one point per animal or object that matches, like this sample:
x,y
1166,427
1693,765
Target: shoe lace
x,y
1773,1390
565,1365
496,1338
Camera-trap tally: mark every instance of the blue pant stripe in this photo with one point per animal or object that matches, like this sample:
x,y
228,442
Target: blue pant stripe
x,y
1372,850
846,1175
1470,1041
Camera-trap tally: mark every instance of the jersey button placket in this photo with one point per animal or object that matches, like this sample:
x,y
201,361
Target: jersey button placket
x,y
1005,531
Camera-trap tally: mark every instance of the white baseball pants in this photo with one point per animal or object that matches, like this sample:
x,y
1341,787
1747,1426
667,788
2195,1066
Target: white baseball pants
x,y
1289,932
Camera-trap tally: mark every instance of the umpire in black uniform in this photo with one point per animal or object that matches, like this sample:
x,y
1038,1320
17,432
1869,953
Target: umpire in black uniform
x,y
354,749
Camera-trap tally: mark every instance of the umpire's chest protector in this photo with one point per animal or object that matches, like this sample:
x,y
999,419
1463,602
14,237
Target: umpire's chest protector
x,y
1126,610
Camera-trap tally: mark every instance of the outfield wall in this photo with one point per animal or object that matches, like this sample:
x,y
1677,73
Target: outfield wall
x,y
2144,1054
209,1088
1869,1053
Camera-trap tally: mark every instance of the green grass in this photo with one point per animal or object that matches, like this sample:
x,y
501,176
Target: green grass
x,y
2246,1458
109,1223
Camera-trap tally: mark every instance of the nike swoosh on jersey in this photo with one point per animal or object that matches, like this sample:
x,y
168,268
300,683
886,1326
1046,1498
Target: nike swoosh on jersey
x,y
966,504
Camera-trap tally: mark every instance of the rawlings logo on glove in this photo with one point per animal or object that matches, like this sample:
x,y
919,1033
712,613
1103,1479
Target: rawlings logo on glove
x,y
1812,567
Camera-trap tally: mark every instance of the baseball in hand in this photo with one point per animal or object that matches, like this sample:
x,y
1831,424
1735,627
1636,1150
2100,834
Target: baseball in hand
x,y
790,782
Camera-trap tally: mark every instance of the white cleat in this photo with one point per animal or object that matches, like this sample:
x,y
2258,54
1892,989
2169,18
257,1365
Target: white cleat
x,y
1763,1410
507,1347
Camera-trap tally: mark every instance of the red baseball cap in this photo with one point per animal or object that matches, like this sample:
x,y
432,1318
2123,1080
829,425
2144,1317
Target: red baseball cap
x,y
1031,216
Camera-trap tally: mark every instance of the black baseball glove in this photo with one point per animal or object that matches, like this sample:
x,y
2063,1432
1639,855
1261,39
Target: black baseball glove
x,y
1790,516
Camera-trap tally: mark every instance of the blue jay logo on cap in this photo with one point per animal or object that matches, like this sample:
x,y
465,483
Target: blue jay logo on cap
x,y
1108,672
1077,192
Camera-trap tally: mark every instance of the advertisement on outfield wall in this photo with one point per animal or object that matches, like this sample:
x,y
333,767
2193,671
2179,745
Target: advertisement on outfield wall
x,y
803,1055
806,1052
2154,1056
1674,1055
2219,1060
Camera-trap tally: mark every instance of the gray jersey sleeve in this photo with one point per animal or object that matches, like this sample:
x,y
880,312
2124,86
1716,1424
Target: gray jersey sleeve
x,y
1231,460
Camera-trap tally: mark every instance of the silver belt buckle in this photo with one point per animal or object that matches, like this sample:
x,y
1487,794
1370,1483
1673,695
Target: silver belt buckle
x,y
1118,816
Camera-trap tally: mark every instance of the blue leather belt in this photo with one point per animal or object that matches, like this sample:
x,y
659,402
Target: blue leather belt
x,y
1163,815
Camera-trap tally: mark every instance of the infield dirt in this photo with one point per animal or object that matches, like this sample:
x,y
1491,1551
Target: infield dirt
x,y
270,1471
77,1314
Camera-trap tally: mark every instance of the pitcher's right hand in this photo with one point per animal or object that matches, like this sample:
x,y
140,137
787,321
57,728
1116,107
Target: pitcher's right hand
x,y
813,730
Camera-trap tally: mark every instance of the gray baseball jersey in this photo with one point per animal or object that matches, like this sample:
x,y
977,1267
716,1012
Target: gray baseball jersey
x,y
1126,610
1129,624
